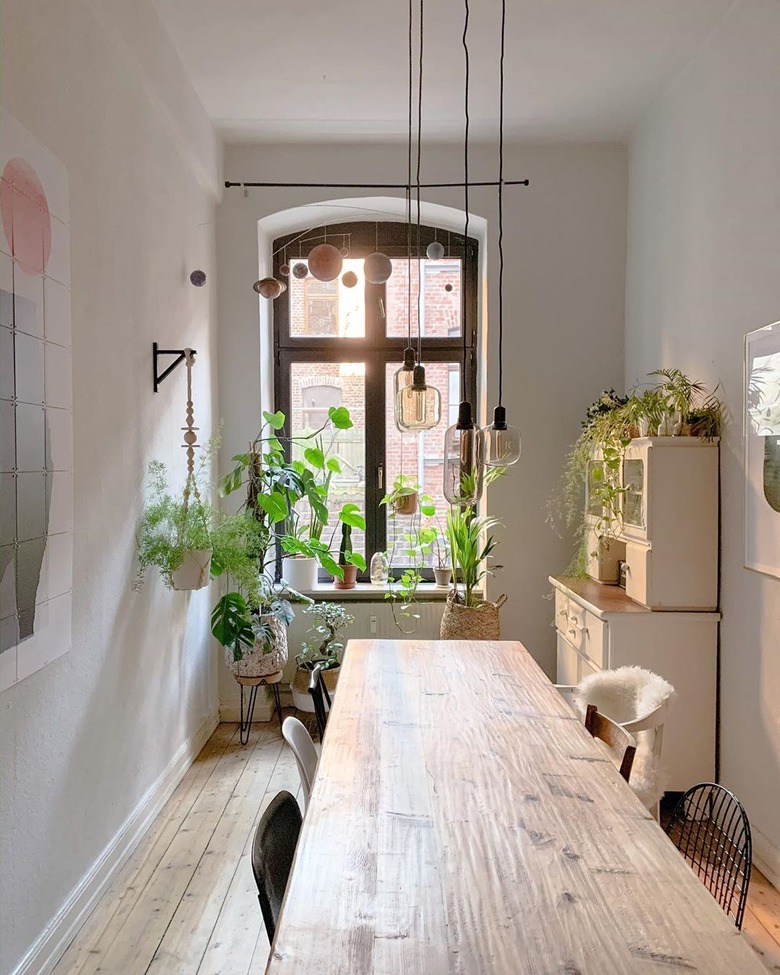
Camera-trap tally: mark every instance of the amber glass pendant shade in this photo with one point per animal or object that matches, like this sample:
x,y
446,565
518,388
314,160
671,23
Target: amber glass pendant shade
x,y
503,443
464,459
403,377
418,406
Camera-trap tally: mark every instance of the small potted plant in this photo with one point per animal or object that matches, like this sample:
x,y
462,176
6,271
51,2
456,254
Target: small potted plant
x,y
442,570
404,498
349,562
326,647
175,533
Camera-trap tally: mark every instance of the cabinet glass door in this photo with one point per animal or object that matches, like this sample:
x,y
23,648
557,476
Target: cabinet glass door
x,y
634,489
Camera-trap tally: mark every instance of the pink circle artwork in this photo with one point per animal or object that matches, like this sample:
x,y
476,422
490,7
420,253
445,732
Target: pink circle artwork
x,y
25,214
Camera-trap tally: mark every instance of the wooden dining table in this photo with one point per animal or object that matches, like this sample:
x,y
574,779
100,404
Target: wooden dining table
x,y
463,821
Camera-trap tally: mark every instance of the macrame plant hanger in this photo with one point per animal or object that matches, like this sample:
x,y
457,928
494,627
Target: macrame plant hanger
x,y
190,440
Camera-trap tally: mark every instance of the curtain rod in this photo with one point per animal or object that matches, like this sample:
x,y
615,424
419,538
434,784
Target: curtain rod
x,y
374,186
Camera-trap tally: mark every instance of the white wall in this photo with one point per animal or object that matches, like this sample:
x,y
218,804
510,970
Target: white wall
x,y
704,239
82,740
564,304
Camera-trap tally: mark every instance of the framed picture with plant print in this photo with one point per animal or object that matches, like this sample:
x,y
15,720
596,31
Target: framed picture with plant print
x,y
762,449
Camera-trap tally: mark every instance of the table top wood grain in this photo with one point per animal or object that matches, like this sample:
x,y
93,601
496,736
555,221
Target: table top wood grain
x,y
464,823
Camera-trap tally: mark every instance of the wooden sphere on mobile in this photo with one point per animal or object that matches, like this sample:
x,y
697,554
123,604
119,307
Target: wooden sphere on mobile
x,y
300,271
284,270
325,262
435,250
378,267
349,279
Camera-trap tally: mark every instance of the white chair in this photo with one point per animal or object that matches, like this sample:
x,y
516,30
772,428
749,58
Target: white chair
x,y
299,739
637,700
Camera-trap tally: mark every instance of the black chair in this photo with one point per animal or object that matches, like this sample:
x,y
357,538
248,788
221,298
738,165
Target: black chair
x,y
272,855
319,695
709,826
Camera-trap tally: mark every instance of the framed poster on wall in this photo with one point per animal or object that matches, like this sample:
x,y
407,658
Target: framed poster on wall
x,y
762,449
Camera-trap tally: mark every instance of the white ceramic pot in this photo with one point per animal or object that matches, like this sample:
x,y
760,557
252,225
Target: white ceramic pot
x,y
255,662
300,573
193,573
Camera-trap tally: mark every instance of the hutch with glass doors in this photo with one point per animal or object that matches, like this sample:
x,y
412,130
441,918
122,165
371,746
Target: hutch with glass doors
x,y
663,617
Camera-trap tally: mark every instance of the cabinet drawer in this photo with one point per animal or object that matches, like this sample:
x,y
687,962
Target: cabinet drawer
x,y
586,668
638,559
595,643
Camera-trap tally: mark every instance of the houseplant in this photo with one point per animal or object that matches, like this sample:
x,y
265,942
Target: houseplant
x,y
349,562
411,547
326,647
404,496
467,616
442,570
174,533
590,499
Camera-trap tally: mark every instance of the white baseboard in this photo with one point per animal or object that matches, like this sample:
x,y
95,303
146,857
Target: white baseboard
x,y
766,856
265,709
49,947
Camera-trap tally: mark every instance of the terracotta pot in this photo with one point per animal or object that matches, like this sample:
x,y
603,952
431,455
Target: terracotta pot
x,y
193,573
406,504
350,577
256,662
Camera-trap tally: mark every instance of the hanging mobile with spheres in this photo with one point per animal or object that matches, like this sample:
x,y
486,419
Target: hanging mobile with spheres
x,y
325,262
377,267
349,279
269,287
300,271
435,250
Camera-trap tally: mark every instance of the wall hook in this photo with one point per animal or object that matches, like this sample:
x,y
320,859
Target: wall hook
x,y
158,377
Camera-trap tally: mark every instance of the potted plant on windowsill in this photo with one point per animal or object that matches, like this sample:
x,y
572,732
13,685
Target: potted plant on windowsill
x,y
442,570
404,497
349,562
326,647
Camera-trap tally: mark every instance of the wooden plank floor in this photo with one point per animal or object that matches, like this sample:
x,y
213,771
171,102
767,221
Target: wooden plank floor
x,y
185,903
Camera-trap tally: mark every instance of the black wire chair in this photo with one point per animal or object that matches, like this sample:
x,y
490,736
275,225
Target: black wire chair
x,y
273,851
709,826
319,696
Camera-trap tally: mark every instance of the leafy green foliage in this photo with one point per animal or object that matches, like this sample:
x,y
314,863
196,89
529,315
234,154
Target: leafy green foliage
x,y
231,624
327,647
471,544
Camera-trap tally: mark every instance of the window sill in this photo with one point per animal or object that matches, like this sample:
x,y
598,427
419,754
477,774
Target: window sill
x,y
369,593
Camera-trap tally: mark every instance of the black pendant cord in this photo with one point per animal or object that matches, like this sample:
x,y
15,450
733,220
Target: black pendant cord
x,y
369,186
465,191
409,189
501,208
419,163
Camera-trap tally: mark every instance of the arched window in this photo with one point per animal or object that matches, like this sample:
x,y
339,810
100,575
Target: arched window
x,y
335,345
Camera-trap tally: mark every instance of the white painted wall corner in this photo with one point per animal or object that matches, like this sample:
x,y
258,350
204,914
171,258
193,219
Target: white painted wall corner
x,y
49,947
766,856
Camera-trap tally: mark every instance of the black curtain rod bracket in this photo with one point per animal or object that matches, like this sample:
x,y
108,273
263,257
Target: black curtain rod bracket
x,y
158,377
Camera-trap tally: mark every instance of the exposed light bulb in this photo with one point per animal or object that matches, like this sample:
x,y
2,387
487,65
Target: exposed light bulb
x,y
418,405
503,443
403,377
464,459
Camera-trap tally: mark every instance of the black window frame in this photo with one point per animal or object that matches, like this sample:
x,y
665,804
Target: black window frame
x,y
376,348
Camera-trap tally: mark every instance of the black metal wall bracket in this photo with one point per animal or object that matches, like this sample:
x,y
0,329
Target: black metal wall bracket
x,y
158,377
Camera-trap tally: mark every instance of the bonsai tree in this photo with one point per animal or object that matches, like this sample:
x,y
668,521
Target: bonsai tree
x,y
326,646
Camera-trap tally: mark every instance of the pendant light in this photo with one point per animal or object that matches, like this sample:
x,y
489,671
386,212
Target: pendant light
x,y
464,442
417,404
502,442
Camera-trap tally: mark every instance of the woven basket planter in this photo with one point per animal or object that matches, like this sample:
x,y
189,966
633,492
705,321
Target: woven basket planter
x,y
256,663
461,622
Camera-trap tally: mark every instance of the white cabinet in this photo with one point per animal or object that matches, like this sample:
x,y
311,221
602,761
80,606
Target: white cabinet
x,y
600,627
669,528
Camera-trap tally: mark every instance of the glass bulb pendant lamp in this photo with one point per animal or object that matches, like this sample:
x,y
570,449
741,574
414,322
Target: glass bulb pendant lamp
x,y
403,378
464,459
418,405
503,443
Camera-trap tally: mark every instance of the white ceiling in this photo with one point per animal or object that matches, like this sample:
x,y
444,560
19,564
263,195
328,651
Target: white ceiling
x,y
575,69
